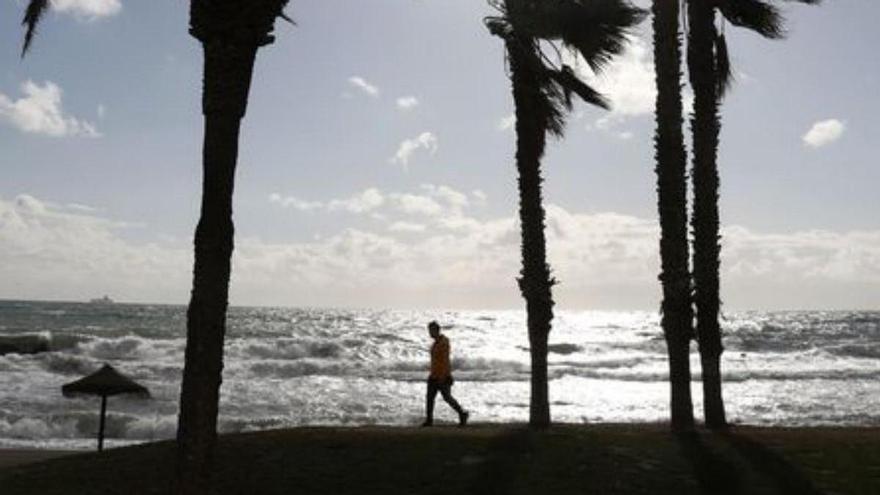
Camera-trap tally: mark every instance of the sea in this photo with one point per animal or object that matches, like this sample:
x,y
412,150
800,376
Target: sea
x,y
287,367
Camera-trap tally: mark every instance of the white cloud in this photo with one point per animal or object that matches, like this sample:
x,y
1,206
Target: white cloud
x,y
68,252
367,201
824,132
40,111
363,85
407,102
425,140
295,203
456,260
406,227
363,202
417,204
431,200
81,208
628,82
88,9
507,123
101,111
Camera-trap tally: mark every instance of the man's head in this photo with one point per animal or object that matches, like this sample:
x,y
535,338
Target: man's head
x,y
434,329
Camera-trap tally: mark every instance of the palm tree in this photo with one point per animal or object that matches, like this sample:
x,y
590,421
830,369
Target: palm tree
x,y
230,32
542,93
711,76
677,312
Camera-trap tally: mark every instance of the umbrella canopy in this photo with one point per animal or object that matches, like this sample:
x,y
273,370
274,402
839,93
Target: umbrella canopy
x,y
104,382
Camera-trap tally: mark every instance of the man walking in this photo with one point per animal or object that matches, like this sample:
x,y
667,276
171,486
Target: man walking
x,y
440,379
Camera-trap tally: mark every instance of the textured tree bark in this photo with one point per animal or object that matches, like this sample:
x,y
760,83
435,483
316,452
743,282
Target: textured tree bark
x,y
535,283
706,125
227,74
677,319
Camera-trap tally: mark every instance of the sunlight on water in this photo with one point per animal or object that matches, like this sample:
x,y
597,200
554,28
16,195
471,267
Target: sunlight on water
x,y
287,367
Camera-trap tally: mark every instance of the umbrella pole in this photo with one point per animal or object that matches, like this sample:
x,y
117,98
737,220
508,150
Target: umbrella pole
x,y
101,427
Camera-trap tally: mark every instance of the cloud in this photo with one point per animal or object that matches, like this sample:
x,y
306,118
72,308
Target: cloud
x,y
425,140
88,9
430,200
295,203
824,132
407,102
40,111
628,81
507,123
406,227
458,259
69,252
363,202
367,201
363,85
417,204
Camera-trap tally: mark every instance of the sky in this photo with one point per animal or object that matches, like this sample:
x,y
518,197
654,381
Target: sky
x,y
376,163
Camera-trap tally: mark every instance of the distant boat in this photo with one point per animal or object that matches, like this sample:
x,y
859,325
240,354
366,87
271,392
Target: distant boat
x,y
101,300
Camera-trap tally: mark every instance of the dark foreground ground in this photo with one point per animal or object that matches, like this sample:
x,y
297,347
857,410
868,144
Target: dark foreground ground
x,y
485,460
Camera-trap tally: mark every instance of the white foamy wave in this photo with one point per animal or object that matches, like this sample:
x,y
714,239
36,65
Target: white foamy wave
x,y
288,367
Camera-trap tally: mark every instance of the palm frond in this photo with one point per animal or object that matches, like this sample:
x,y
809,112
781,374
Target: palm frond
x,y
550,101
32,15
236,19
601,31
723,72
570,83
597,29
756,15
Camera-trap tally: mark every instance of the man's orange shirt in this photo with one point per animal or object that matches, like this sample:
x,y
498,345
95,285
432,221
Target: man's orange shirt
x,y
440,367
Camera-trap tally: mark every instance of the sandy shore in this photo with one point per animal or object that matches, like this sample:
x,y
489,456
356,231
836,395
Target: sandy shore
x,y
17,457
642,459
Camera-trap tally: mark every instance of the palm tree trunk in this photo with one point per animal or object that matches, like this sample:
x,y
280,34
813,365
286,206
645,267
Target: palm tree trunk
x,y
706,125
535,283
227,76
677,320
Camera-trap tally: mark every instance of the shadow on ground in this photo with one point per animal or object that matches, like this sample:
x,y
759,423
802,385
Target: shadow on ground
x,y
728,463
487,460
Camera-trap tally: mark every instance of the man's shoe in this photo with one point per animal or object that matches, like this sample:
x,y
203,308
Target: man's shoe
x,y
463,418
427,423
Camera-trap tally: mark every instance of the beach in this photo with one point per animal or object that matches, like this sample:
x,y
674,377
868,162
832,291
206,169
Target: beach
x,y
483,459
18,457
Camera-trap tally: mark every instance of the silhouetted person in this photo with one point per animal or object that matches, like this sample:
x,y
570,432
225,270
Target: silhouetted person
x,y
440,379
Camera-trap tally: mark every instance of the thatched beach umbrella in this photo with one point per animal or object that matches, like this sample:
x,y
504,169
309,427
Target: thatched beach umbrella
x,y
104,382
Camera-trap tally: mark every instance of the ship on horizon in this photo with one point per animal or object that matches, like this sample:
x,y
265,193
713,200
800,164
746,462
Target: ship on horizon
x,y
102,300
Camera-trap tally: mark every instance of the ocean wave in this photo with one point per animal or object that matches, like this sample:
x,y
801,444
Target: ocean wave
x,y
292,349
869,350
68,364
86,424
564,348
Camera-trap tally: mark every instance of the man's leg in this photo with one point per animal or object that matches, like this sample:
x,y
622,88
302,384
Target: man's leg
x,y
429,402
446,391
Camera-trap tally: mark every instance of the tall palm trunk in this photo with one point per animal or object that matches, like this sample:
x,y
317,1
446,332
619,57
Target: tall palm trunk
x,y
228,68
706,125
677,320
535,283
